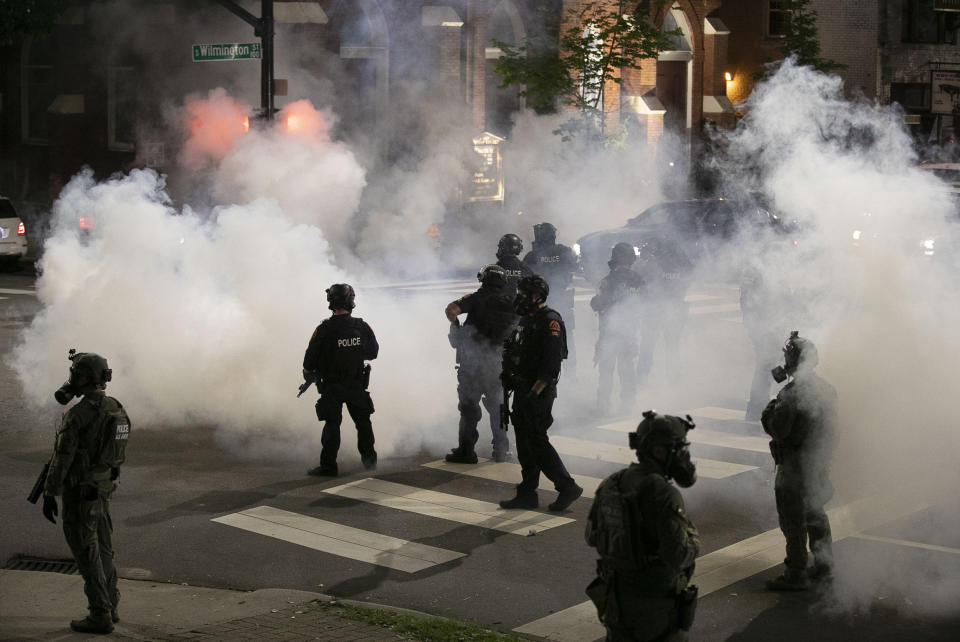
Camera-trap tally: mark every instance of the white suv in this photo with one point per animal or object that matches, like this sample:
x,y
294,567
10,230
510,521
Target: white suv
x,y
13,234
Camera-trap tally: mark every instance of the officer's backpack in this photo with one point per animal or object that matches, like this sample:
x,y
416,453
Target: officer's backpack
x,y
613,525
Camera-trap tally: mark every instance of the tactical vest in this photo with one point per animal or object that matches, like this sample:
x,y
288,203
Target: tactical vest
x,y
341,357
102,446
495,318
615,526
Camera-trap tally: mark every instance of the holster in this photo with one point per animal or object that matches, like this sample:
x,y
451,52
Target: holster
x,y
687,607
365,376
601,592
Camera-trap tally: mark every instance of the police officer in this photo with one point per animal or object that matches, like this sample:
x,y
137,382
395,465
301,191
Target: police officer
x,y
479,345
666,271
646,542
334,361
90,447
557,264
617,304
531,368
509,248
801,422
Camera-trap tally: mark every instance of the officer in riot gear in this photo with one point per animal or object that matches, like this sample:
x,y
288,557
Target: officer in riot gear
x,y
557,264
801,422
531,369
646,542
334,360
617,304
90,447
479,345
509,248
666,271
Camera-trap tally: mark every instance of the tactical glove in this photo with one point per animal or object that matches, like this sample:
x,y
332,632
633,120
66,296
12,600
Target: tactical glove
x,y
50,508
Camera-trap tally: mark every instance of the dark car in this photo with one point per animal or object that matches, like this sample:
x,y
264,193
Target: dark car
x,y
698,227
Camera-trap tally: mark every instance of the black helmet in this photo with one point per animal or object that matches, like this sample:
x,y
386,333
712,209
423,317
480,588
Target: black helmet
x,y
93,366
660,430
534,285
622,254
544,234
509,245
797,352
492,275
340,296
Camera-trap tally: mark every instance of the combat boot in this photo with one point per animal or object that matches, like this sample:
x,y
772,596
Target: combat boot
x,y
790,580
97,622
527,501
501,456
369,462
461,456
565,498
114,615
820,572
323,471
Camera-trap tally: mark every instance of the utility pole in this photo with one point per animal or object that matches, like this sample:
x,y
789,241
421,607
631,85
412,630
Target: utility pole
x,y
263,29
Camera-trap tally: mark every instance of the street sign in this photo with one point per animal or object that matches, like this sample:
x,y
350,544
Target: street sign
x,y
226,51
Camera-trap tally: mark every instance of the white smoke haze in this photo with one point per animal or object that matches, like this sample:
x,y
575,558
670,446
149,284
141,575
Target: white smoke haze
x,y
878,313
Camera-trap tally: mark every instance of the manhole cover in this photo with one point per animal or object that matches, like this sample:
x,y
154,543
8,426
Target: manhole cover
x,y
27,563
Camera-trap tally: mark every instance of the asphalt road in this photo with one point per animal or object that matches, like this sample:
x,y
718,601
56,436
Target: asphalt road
x,y
451,554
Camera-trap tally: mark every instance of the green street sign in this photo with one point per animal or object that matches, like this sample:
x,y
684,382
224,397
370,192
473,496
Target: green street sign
x,y
226,51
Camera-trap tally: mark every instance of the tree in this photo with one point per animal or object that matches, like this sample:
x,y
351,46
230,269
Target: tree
x,y
27,18
800,38
596,42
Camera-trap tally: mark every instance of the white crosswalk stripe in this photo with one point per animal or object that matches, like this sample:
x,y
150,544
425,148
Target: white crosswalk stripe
x,y
707,468
703,436
18,291
337,539
446,506
505,472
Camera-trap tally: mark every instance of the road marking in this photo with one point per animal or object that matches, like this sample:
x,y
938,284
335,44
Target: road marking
x,y
723,414
707,468
705,437
693,298
450,507
436,282
714,309
736,562
337,539
16,291
505,472
904,542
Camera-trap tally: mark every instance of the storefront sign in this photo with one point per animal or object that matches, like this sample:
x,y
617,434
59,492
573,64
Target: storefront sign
x,y
945,92
487,179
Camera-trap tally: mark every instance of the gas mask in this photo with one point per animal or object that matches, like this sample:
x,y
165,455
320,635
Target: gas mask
x,y
524,303
779,374
681,467
87,371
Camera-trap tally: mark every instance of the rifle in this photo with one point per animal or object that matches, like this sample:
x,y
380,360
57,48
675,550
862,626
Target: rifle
x,y
38,485
505,410
309,379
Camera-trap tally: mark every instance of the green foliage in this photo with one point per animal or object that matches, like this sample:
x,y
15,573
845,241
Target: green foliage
x,y
27,18
801,39
595,44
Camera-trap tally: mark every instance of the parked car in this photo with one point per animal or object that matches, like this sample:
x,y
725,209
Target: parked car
x,y
699,227
13,234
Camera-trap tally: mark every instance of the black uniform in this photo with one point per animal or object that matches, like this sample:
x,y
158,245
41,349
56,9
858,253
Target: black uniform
x,y
617,303
534,353
490,319
516,270
557,263
667,277
335,355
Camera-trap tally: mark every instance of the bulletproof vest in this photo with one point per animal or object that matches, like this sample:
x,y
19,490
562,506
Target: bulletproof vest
x,y
494,318
516,270
104,433
341,357
528,344
554,263
615,527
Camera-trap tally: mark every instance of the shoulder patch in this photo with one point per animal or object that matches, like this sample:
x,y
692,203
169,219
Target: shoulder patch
x,y
554,327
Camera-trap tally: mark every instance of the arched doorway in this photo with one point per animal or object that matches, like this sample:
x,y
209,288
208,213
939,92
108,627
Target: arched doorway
x,y
674,87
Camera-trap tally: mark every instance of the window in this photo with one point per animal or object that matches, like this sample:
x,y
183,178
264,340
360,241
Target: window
x,y
911,95
924,25
776,18
121,109
38,89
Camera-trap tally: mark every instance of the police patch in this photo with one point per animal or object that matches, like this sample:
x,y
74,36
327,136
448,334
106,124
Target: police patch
x,y
555,328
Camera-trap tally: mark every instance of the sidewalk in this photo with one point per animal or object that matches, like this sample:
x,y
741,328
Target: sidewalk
x,y
39,606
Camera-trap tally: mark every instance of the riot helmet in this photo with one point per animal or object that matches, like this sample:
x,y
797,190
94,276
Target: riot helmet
x,y
544,234
509,245
340,296
531,292
622,254
663,439
799,354
88,372
493,276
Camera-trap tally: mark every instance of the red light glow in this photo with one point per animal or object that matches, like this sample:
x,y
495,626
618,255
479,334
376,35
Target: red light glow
x,y
303,119
246,124
21,229
87,222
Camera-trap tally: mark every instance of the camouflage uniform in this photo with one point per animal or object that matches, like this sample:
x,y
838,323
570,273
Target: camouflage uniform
x,y
640,513
77,473
801,421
